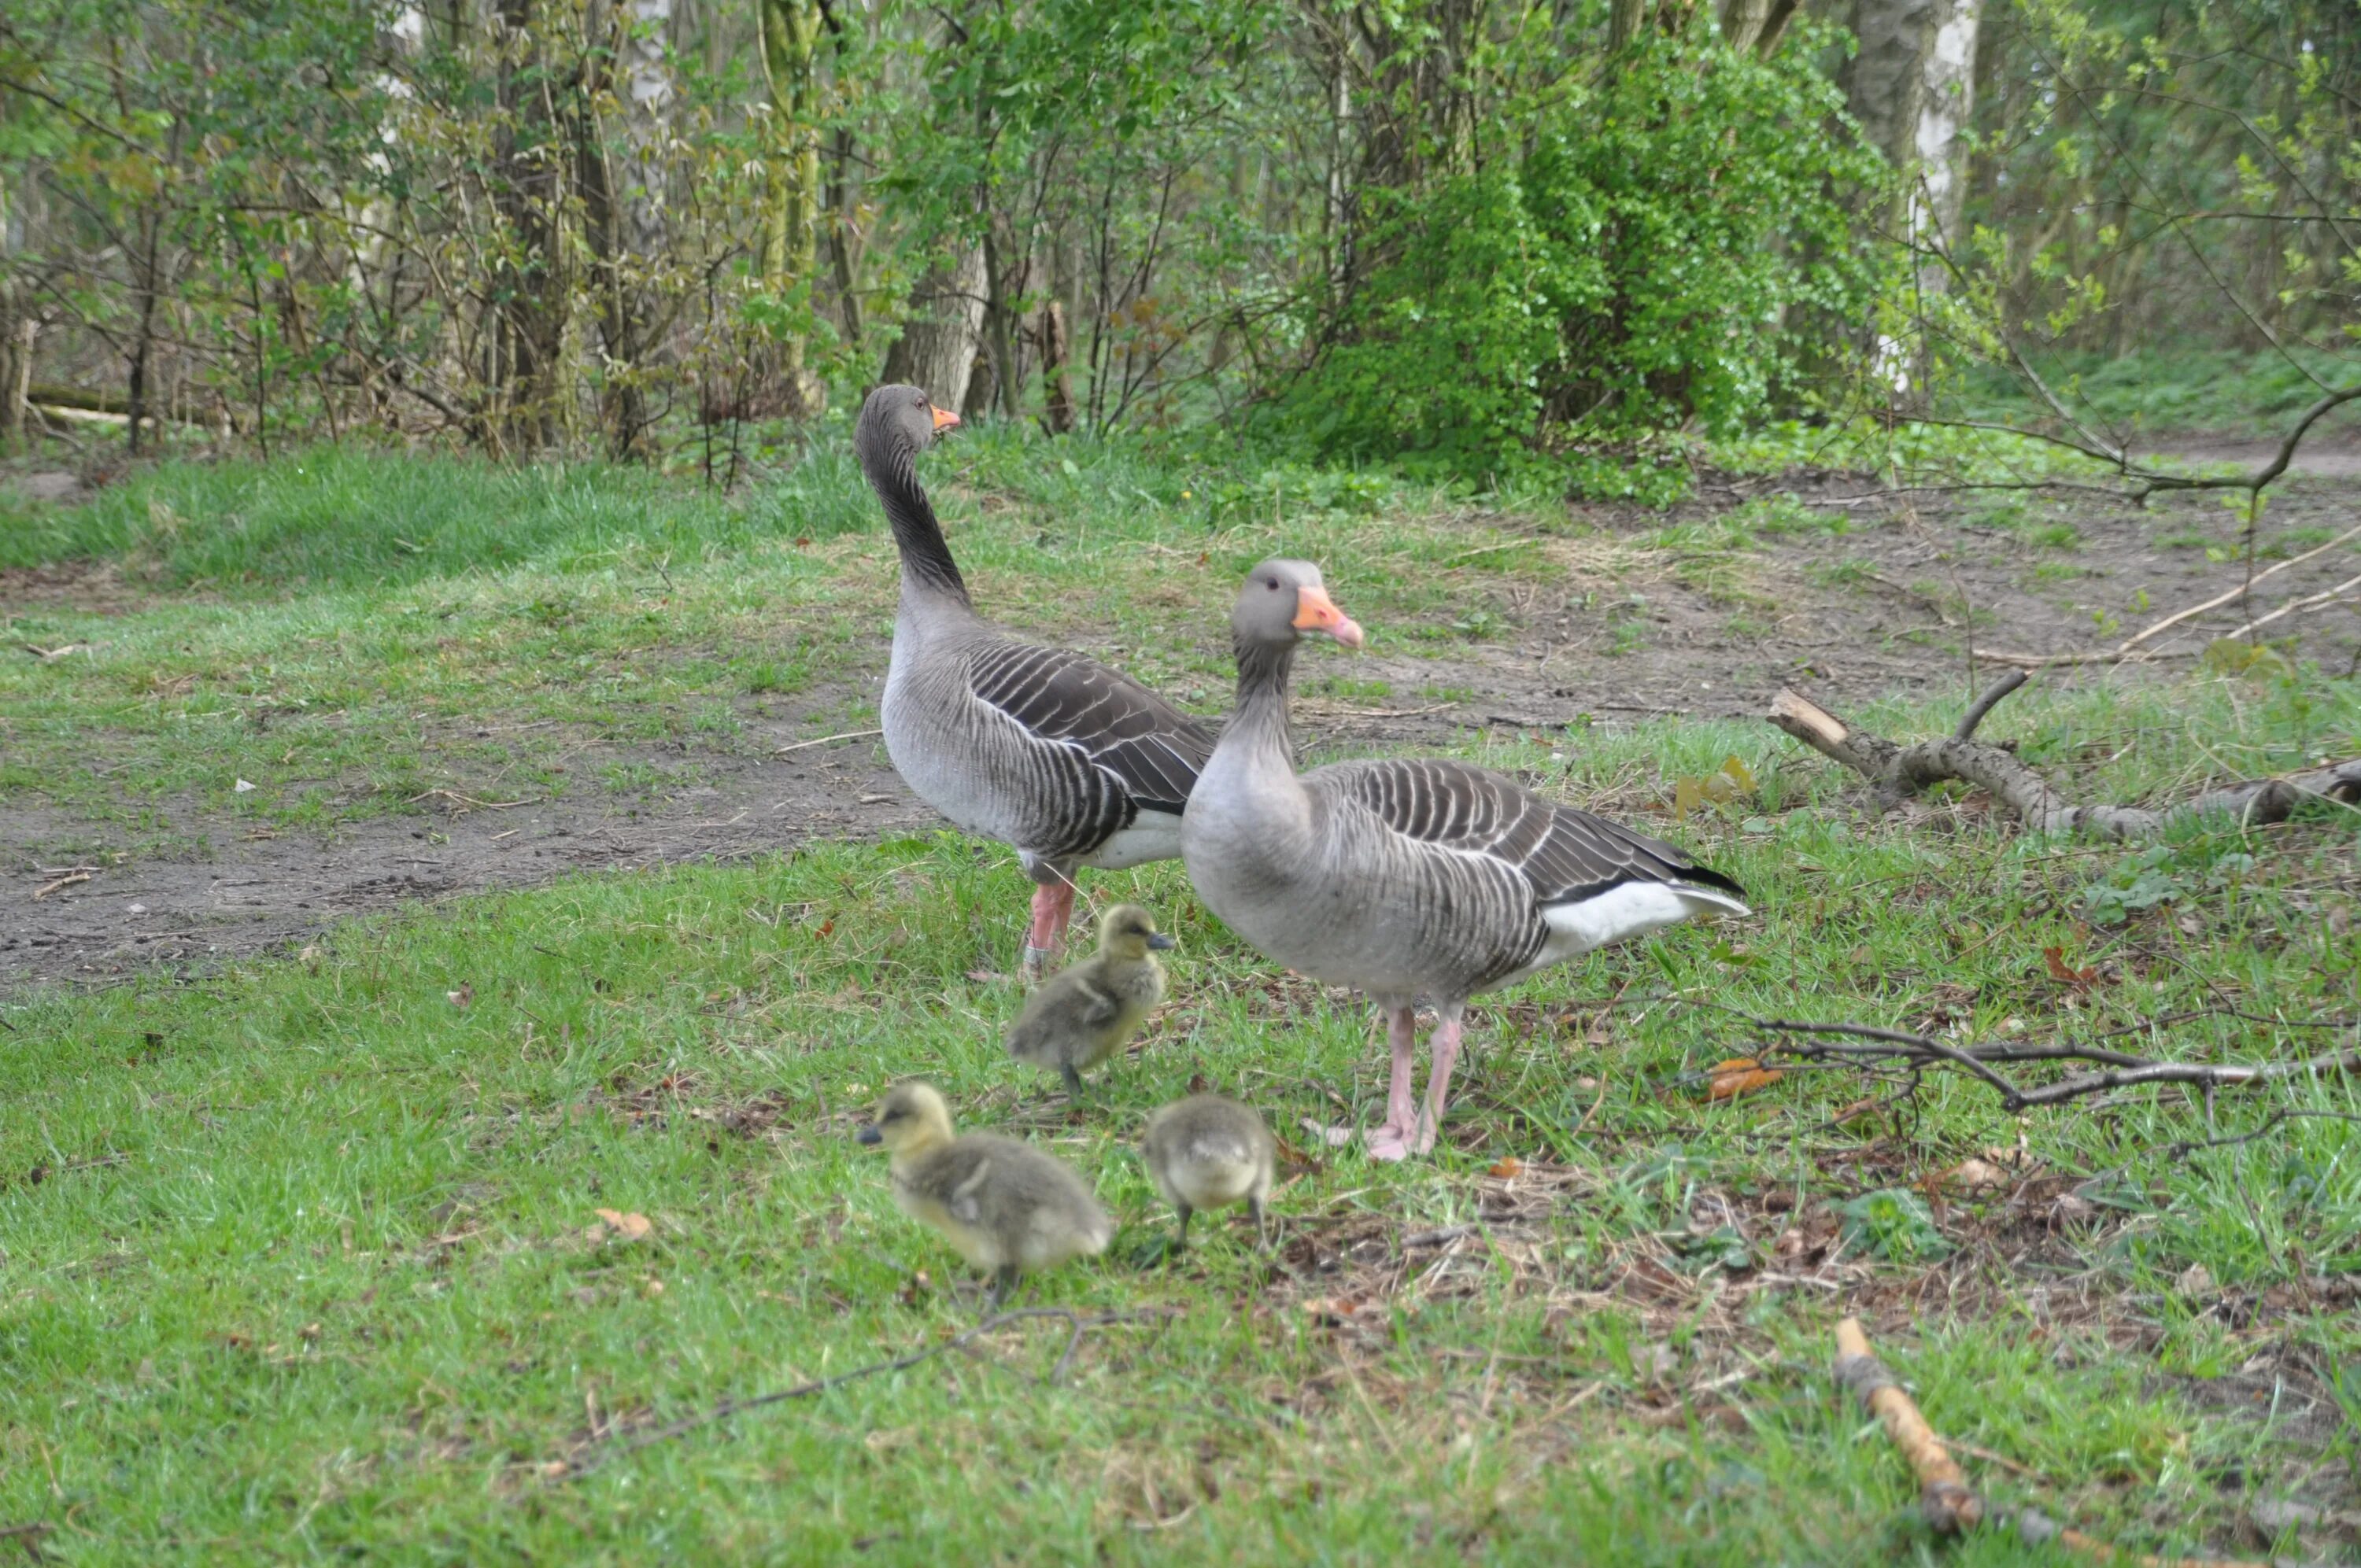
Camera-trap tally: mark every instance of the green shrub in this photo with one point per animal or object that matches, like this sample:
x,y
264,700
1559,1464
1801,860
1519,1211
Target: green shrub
x,y
1631,267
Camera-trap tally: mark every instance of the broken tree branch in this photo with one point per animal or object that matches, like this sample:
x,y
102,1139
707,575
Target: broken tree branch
x,y
1943,1493
2117,1070
1899,770
1949,1503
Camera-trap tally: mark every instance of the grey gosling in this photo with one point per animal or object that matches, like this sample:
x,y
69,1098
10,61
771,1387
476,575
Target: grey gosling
x,y
1208,1152
1088,1011
1005,1206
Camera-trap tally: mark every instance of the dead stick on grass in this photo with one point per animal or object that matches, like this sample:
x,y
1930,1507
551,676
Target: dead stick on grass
x,y
1898,771
42,893
806,745
1944,1496
1949,1503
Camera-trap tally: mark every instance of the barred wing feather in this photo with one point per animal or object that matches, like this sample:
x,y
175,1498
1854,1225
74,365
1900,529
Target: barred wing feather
x,y
1059,696
1564,854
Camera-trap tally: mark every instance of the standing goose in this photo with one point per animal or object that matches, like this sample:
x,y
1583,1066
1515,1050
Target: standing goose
x,y
1405,877
1065,761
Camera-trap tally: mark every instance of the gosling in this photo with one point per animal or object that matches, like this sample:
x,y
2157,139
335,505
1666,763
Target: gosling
x,y
1003,1206
1207,1152
1088,1011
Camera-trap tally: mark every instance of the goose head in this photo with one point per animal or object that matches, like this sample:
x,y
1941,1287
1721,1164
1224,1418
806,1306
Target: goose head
x,y
1284,600
904,417
911,1119
1128,932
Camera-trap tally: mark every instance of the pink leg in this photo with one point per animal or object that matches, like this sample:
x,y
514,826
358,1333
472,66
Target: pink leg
x,y
1445,1049
1391,1140
1053,910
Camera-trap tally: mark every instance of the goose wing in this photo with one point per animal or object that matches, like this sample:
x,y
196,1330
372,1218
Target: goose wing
x,y
1566,855
1061,697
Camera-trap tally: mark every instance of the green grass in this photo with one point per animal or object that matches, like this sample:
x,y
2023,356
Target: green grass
x,y
297,1258
2222,392
306,1268
347,629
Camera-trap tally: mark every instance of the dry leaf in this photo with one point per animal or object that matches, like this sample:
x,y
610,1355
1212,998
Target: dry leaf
x,y
1738,1075
2059,969
825,927
1508,1168
463,996
1975,1176
631,1227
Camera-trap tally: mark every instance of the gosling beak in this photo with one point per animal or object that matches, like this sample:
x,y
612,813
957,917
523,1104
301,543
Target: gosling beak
x,y
945,420
1162,943
871,1135
1316,611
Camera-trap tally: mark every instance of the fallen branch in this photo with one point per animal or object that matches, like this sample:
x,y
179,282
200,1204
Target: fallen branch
x,y
1944,1497
1949,1504
601,1451
1916,1053
1899,770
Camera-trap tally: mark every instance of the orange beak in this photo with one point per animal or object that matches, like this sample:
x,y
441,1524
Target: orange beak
x,y
1316,611
945,420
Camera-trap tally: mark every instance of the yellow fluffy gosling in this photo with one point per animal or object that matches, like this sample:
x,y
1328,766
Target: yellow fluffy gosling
x,y
1088,1011
1005,1206
1208,1152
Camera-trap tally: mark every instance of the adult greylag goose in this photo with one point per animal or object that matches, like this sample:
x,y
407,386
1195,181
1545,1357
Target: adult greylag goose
x,y
1065,761
1405,877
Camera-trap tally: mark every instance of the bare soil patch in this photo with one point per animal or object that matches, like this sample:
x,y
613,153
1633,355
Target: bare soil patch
x,y
1886,609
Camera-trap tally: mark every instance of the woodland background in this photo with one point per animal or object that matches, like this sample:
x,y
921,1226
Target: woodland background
x,y
1464,237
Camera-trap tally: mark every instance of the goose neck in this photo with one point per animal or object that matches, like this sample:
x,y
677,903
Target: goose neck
x,y
929,573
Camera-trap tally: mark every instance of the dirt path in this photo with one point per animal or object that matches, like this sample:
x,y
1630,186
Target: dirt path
x,y
1873,612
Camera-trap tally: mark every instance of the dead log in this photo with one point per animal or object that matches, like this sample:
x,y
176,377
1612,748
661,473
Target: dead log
x,y
1898,771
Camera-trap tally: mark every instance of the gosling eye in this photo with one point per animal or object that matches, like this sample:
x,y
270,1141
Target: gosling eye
x,y
1271,583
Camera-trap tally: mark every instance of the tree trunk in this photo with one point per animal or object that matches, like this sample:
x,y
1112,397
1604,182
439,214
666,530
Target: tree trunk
x,y
999,321
1624,21
17,325
844,255
1743,22
625,226
791,33
937,349
529,190
1910,86
1058,387
1946,97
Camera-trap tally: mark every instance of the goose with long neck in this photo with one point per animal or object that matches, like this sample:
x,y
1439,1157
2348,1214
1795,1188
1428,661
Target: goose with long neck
x,y
1065,761
1405,877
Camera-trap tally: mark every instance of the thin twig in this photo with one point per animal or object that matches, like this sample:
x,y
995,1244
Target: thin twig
x,y
609,1448
805,745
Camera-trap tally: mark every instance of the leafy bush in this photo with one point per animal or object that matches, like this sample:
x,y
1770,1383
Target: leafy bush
x,y
1631,267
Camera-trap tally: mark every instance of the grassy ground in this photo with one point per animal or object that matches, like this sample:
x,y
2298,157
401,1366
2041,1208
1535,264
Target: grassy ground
x,y
304,1256
339,630
306,1259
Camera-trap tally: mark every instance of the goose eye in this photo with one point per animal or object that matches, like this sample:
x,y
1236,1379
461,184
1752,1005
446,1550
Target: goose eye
x,y
1271,583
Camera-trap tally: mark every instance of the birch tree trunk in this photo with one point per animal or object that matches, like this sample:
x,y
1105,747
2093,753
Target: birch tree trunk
x,y
1912,85
1947,98
937,349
